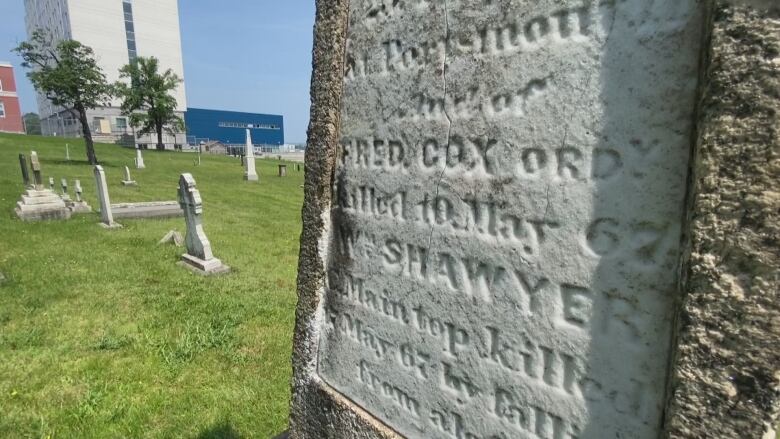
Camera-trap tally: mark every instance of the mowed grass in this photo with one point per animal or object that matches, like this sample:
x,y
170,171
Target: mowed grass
x,y
102,335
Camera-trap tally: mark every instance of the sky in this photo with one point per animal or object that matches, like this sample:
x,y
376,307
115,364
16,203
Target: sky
x,y
239,55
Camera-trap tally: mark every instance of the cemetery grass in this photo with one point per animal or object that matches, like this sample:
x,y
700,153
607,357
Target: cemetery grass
x,y
103,335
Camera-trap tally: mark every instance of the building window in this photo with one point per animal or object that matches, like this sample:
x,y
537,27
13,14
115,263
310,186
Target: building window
x,y
256,126
2,109
97,124
121,123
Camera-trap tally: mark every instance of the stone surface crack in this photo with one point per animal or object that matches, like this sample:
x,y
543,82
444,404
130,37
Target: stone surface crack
x,y
446,115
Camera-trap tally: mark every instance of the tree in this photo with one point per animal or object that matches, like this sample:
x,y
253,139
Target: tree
x,y
149,91
67,73
32,123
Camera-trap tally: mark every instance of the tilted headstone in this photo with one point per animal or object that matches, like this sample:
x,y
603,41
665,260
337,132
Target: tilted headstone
x,y
199,256
25,171
106,216
505,186
250,174
128,181
35,165
139,159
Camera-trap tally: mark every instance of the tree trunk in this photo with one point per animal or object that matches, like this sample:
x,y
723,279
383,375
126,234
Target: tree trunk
x,y
91,157
159,136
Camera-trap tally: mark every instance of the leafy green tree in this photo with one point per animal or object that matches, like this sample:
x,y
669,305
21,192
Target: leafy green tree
x,y
67,73
32,123
147,97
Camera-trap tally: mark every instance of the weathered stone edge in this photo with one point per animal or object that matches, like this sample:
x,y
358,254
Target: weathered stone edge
x,y
725,378
317,411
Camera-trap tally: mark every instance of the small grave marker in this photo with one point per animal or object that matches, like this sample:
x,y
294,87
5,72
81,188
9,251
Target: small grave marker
x,y
128,181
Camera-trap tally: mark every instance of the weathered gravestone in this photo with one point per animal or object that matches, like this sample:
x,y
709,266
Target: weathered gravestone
x,y
493,223
282,170
199,256
25,171
106,215
64,186
37,202
79,205
35,165
250,173
139,158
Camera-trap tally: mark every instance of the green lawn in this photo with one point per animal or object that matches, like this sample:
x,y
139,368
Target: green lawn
x,y
103,335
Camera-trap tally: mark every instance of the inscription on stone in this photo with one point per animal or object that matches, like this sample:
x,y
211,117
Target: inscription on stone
x,y
507,213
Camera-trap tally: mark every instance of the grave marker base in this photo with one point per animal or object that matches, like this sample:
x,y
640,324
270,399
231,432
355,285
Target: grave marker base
x,y
40,205
205,268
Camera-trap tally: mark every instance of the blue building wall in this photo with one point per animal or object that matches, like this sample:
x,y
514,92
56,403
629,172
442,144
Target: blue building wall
x,y
229,127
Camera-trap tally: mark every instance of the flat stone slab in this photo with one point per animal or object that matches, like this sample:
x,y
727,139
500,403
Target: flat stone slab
x,y
156,209
79,207
129,183
45,196
172,237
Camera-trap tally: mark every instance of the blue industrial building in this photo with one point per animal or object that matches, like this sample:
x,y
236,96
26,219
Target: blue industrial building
x,y
229,127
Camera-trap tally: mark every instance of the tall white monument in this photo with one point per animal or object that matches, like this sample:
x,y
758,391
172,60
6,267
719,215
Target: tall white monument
x,y
250,174
106,216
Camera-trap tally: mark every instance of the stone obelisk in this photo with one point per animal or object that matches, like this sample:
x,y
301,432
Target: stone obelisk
x,y
250,174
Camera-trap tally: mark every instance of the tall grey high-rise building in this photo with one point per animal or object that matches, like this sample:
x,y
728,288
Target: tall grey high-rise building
x,y
118,31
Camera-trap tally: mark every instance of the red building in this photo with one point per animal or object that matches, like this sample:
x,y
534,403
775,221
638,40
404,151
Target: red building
x,y
10,111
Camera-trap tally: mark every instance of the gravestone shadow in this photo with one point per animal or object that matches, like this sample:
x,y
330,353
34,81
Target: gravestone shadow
x,y
640,189
222,430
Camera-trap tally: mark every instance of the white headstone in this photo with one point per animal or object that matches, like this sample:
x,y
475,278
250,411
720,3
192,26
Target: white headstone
x,y
139,159
507,215
51,183
128,181
107,218
250,174
67,152
199,255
